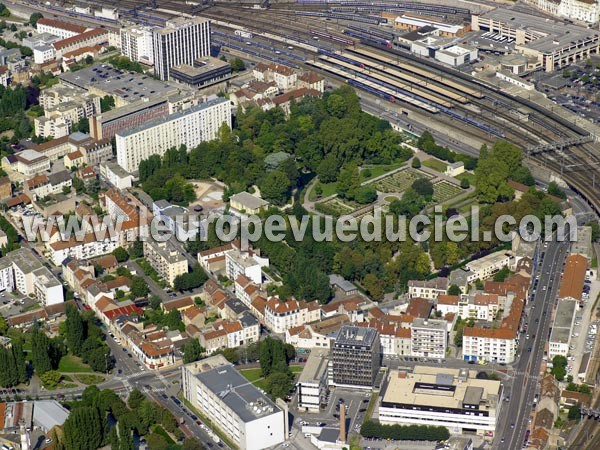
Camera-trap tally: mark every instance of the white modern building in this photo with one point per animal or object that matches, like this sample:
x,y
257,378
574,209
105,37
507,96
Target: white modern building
x,y
21,270
181,41
451,398
428,338
190,127
582,10
236,407
245,263
562,328
112,172
312,385
137,44
496,344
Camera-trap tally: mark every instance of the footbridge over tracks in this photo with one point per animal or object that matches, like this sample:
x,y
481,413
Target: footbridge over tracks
x,y
589,412
559,145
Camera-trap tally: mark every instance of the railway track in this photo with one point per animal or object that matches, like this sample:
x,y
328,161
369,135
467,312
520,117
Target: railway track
x,y
544,126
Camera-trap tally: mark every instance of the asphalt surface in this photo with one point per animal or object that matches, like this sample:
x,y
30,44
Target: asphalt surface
x,y
514,420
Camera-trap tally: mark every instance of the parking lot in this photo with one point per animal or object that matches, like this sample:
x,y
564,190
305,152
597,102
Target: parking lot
x,y
585,328
13,303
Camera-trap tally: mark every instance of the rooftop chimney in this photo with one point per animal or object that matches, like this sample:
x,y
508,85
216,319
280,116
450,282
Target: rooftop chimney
x,y
343,422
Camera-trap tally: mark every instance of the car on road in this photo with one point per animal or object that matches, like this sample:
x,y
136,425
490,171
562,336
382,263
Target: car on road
x,y
512,425
502,441
529,350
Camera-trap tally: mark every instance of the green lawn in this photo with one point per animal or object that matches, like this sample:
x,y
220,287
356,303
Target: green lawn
x,y
435,165
468,176
252,374
70,363
378,170
160,431
296,369
328,189
90,379
261,383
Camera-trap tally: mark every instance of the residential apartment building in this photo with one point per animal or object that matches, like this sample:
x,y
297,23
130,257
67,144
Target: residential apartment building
x,y
312,385
131,212
497,344
230,333
281,315
92,245
137,43
59,28
112,172
245,263
58,120
181,41
581,10
428,338
356,357
21,270
135,114
165,259
237,408
43,185
479,306
488,265
429,289
191,127
96,152
562,328
421,397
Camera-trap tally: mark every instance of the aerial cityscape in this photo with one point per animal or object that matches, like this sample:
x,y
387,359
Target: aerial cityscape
x,y
299,224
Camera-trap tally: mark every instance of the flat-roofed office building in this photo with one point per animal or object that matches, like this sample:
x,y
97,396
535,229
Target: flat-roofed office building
x,y
452,398
235,406
356,357
181,41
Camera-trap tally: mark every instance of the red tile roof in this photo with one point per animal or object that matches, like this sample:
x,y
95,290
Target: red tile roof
x,y
96,32
126,310
63,25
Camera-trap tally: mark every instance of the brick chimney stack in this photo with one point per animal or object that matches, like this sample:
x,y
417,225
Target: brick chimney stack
x,y
343,422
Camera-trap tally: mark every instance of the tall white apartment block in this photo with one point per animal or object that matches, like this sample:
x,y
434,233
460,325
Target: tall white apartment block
x,y
190,127
181,41
137,44
429,338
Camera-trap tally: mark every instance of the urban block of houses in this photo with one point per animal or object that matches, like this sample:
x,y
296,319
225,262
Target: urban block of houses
x,y
43,185
498,344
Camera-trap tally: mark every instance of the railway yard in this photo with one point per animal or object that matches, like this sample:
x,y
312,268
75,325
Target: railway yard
x,y
342,41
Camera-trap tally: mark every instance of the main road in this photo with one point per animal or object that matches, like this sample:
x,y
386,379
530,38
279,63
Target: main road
x,y
514,421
